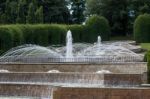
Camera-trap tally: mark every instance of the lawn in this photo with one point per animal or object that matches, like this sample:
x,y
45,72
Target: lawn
x,y
145,46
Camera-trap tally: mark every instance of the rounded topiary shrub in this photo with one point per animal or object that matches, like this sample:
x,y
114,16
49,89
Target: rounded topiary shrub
x,y
98,25
142,28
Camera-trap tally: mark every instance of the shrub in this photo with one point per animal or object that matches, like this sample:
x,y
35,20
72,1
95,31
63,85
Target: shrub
x,y
142,28
98,25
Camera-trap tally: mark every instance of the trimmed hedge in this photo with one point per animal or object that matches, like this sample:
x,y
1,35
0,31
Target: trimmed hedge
x,y
48,34
142,28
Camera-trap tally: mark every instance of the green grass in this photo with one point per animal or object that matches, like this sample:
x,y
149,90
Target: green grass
x,y
145,46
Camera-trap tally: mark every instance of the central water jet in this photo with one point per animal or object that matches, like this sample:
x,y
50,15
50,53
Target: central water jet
x,y
99,41
69,47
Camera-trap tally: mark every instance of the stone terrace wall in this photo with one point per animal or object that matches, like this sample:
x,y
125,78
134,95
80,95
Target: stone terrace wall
x,y
124,79
101,93
74,78
25,90
52,78
135,68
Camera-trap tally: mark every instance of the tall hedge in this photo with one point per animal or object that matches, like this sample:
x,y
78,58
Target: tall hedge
x,y
49,34
142,28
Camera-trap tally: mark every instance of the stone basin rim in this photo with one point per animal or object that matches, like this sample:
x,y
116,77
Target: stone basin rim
x,y
75,87
92,73
73,63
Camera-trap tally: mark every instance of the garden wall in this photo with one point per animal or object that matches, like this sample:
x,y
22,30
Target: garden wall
x,y
131,68
101,93
25,90
75,78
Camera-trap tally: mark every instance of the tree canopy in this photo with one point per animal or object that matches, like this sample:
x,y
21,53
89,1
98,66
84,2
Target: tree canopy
x,y
120,13
48,11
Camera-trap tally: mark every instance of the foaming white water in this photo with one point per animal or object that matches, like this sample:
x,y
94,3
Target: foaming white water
x,y
69,47
4,71
103,72
53,71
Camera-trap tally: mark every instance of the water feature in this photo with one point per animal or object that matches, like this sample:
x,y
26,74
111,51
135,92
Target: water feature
x,y
99,41
80,52
69,47
113,52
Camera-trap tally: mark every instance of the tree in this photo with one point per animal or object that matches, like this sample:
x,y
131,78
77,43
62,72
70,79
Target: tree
x,y
120,13
135,8
138,5
117,15
2,6
55,11
78,7
39,15
3,18
13,12
16,11
8,12
145,9
31,14
22,9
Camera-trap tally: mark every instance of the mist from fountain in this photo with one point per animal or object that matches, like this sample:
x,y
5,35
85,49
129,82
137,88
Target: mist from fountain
x,y
69,47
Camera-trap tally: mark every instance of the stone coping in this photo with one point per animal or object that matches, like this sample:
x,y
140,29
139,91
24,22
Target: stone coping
x,y
113,63
138,87
92,73
69,87
145,85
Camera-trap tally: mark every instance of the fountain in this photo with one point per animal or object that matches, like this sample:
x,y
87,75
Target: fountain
x,y
94,66
99,41
106,52
69,45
